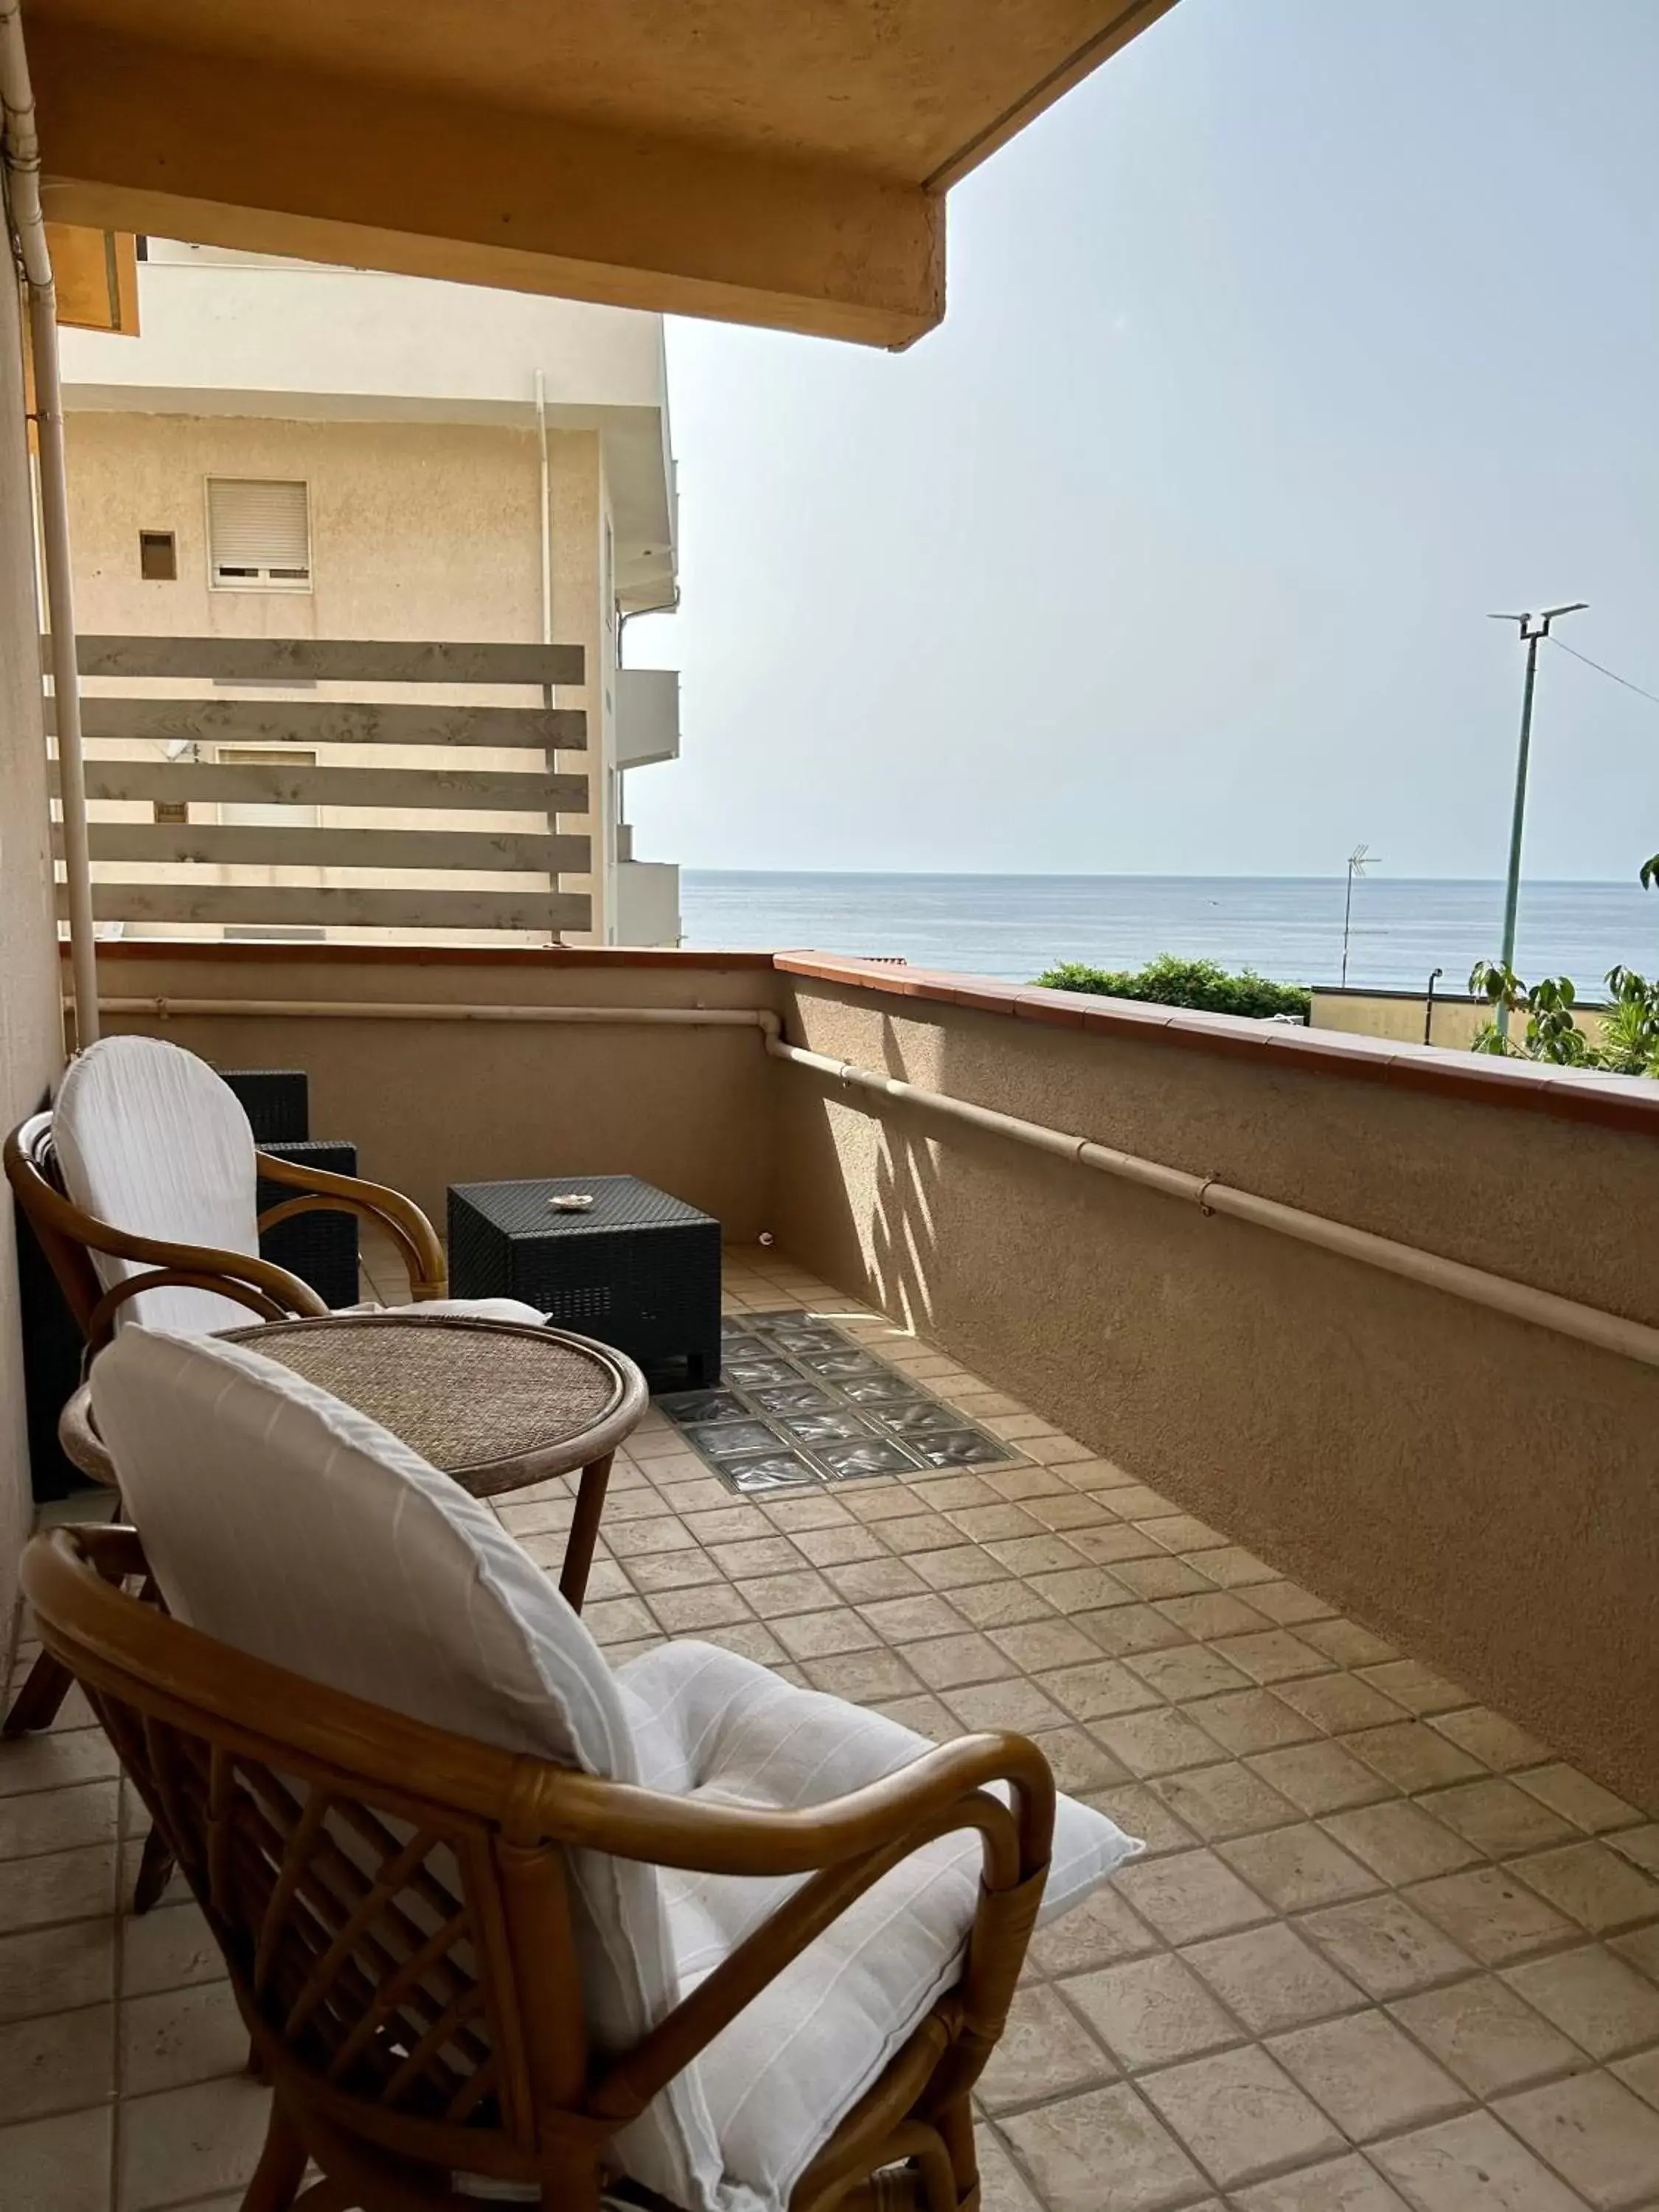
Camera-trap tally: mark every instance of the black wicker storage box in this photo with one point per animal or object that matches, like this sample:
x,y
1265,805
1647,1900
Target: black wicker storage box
x,y
641,1271
320,1248
276,1100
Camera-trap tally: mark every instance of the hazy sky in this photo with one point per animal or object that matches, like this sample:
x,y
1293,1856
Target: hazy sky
x,y
1276,354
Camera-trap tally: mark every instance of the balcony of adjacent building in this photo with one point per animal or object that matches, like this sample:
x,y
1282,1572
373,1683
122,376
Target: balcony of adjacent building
x,y
1269,1431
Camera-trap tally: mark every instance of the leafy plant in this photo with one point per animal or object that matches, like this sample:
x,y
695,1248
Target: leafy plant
x,y
1170,981
1629,1028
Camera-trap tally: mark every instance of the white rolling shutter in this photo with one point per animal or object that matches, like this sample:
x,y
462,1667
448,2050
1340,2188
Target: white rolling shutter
x,y
258,535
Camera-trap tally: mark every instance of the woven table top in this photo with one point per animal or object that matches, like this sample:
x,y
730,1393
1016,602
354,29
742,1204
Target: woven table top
x,y
491,1403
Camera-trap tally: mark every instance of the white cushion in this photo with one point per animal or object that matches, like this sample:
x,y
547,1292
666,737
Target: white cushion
x,y
782,2077
285,1523
151,1141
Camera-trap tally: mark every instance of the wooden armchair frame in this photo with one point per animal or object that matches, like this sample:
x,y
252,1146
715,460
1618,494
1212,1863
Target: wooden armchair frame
x,y
69,1236
391,1901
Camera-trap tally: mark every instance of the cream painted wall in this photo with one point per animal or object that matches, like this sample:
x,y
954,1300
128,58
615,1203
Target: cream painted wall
x,y
418,531
31,1031
1400,1015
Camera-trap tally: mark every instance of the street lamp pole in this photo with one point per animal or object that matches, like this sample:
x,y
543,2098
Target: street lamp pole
x,y
1532,628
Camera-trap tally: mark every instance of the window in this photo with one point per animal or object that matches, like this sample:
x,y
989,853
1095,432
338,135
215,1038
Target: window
x,y
258,536
158,557
174,812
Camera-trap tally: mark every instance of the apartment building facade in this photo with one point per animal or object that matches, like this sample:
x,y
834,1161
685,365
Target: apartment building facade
x,y
293,451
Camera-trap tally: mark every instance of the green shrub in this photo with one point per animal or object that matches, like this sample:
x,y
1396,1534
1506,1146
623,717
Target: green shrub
x,y
1169,981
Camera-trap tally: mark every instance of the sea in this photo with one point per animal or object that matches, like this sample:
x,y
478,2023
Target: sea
x,y
1288,928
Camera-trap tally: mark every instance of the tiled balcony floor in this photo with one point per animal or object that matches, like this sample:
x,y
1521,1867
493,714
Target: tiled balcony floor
x,y
1385,1949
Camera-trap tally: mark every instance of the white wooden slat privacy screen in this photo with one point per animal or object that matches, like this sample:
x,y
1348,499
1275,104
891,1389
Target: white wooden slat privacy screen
x,y
236,767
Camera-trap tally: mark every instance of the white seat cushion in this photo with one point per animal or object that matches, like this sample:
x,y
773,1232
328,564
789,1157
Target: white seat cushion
x,y
708,1724
151,1141
282,1521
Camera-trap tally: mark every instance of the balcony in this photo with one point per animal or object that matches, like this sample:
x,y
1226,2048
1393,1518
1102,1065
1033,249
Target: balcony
x,y
647,716
1333,1580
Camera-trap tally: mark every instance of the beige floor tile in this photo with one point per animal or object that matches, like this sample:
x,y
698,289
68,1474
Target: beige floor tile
x,y
654,1571
1272,1979
759,1555
1067,1509
1595,2133
1188,1670
1044,2053
180,2036
1640,2074
1297,1869
1141,1812
1495,1742
1482,2032
1640,1846
1159,1741
1389,1949
1273,1654
1190,1895
1042,1554
1098,1689
1471,2165
1037,1646
1598,2000
1000,1522
59,2164
1601,1890
1106,1541
1418,1687
1367,2076
868,1582
1338,1704
1103,2152
1289,1604
188,2142
55,2062
1223,1801
790,1514
1003,2188
863,1676
799,1589
1401,1841
1347,1642
1213,1613
816,1635
52,1969
1581,1801
957,1568
57,1885
1097,1933
1233,1568
687,1612
1003,1604
1161,1575
750,1639
1412,1756
949,1663
838,1548
169,1948
1492,1916
908,1620
1343,2185
1079,1763
1129,1627
1240,2115
1016,1705
1319,1777
1149,2012
1498,1818
617,1619
1252,1720
57,1761
57,1819
922,1532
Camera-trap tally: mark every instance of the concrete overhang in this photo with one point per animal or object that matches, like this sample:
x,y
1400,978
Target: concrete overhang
x,y
773,161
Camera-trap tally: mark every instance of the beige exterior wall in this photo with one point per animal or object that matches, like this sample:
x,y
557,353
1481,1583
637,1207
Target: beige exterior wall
x,y
1484,1490
31,1029
431,1104
1401,1015
418,530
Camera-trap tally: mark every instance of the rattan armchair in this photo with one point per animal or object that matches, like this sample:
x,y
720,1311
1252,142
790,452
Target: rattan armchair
x,y
70,1237
392,1905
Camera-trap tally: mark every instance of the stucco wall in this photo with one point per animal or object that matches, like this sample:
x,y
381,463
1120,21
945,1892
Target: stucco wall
x,y
30,1028
1484,1490
1403,1016
430,1103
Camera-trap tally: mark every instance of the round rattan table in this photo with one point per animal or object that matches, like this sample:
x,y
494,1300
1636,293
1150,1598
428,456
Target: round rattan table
x,y
496,1404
